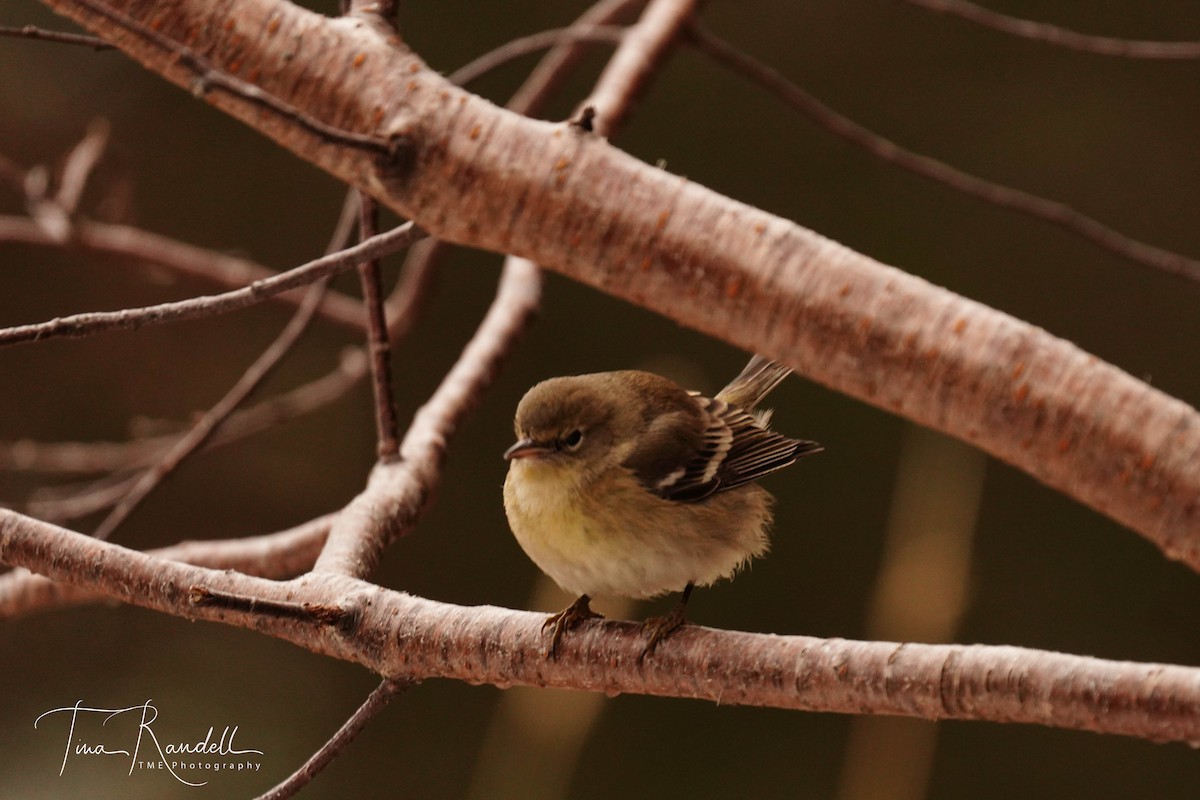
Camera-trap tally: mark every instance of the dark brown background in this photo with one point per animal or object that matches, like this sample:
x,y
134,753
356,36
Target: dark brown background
x,y
1116,138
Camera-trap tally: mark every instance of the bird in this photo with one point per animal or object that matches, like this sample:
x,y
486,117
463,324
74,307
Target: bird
x,y
626,484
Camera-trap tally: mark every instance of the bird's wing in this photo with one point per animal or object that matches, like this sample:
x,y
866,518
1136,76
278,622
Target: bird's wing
x,y
729,448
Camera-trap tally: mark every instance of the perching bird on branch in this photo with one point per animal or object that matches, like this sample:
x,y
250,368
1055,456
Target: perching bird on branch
x,y
625,483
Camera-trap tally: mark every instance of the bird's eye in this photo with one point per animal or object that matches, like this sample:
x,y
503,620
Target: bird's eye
x,y
573,439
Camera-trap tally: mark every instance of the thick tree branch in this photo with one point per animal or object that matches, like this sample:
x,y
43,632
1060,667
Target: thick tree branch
x,y
274,555
409,638
474,174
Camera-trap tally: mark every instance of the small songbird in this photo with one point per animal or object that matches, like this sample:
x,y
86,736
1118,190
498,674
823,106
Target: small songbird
x,y
625,483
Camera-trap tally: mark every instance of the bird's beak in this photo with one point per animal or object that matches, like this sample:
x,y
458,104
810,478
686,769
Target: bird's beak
x,y
525,448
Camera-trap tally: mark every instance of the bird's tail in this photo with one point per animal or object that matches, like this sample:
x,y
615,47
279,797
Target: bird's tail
x,y
754,382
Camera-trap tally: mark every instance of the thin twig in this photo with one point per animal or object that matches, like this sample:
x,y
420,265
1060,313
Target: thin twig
x,y
63,503
1060,37
34,32
137,246
97,457
80,162
552,70
386,426
886,150
203,429
375,702
132,318
208,423
512,50
398,493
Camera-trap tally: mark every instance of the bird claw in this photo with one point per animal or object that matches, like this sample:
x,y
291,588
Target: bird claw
x,y
565,620
660,628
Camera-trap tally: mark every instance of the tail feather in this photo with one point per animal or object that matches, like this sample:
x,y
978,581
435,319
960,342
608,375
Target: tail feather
x,y
754,382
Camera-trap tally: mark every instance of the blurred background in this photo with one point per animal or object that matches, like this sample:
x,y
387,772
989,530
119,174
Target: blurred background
x,y
894,532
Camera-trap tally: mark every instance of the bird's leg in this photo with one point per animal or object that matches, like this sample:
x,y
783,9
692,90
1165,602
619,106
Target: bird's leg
x,y
568,618
660,628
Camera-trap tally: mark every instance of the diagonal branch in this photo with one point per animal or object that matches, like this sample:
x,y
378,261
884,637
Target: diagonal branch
x,y
353,726
477,175
404,491
884,149
203,429
143,247
397,493
410,638
208,305
1061,37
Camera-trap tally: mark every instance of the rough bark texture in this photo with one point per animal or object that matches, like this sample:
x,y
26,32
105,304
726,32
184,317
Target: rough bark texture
x,y
411,638
472,173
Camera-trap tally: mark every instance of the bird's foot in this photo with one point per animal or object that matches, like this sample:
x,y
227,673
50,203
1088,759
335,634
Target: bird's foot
x,y
659,628
568,618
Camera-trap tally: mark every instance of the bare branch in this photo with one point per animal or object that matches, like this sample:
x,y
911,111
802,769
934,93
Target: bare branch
x,y
94,457
203,429
375,703
1060,37
997,194
143,247
525,45
276,555
637,59
378,348
410,638
61,37
208,305
398,492
480,177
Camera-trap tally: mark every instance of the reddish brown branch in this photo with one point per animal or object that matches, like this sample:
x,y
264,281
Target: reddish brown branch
x,y
571,202
208,423
192,308
61,37
1060,37
639,57
378,347
375,703
276,555
1042,208
410,638
398,493
138,246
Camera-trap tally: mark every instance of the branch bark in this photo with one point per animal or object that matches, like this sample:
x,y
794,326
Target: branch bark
x,y
471,173
410,638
